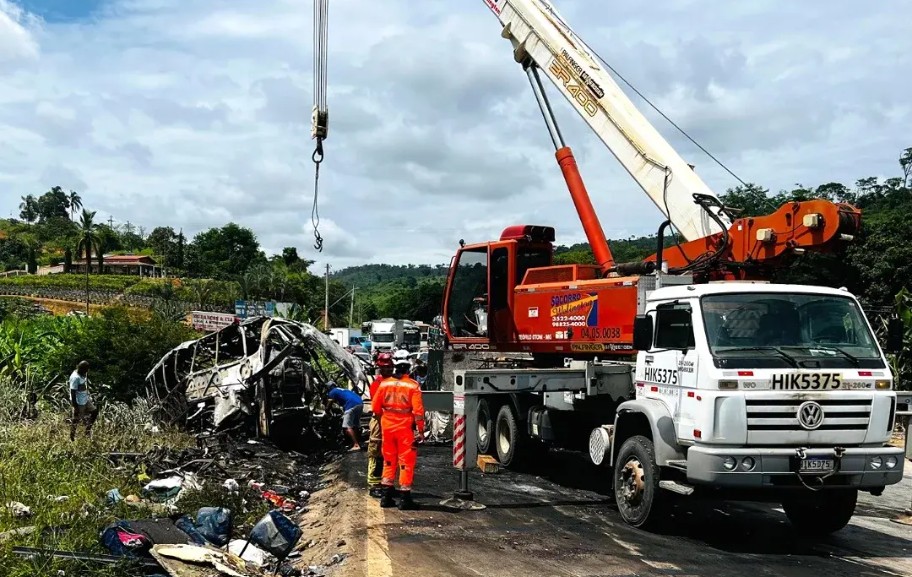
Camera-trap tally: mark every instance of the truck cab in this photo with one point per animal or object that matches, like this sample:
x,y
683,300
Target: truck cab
x,y
764,390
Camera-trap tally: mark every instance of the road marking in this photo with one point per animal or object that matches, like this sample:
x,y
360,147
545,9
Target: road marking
x,y
630,548
378,559
868,564
661,565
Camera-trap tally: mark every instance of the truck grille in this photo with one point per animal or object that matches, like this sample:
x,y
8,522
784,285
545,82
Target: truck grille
x,y
775,421
782,414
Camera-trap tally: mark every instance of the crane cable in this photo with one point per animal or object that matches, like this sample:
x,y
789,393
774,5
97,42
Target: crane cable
x,y
319,128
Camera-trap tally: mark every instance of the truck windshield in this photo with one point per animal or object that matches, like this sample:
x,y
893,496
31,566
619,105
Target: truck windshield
x,y
382,337
411,338
780,329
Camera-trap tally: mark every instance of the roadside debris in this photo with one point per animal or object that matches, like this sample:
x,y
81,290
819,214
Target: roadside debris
x,y
261,371
17,509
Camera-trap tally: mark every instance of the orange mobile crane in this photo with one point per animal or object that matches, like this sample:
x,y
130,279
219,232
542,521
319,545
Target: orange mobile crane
x,y
507,295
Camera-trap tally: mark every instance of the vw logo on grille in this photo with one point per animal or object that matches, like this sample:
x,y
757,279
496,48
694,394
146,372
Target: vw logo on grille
x,y
810,415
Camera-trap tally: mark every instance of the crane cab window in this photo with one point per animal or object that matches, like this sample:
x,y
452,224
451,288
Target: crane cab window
x,y
467,302
674,327
531,257
500,278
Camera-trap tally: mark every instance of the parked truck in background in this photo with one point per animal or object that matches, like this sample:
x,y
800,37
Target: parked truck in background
x,y
411,337
386,334
347,337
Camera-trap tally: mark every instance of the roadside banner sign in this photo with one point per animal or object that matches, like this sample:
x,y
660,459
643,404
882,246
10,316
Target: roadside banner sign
x,y
211,322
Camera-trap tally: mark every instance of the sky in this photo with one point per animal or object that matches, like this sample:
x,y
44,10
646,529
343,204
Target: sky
x,y
196,113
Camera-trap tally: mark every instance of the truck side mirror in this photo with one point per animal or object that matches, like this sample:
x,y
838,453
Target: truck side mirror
x,y
642,332
895,334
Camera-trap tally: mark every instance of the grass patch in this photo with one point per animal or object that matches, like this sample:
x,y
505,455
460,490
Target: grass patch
x,y
39,466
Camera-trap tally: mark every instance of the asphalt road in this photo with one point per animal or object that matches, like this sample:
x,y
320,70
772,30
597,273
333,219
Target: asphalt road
x,y
564,523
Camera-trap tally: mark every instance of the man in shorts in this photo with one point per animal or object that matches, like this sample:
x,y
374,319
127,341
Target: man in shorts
x,y
84,410
352,406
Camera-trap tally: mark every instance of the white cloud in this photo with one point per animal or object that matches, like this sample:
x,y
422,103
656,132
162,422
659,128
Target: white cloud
x,y
16,41
194,113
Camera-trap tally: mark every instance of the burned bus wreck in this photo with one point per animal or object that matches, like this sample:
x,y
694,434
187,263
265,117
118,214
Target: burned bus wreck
x,y
267,373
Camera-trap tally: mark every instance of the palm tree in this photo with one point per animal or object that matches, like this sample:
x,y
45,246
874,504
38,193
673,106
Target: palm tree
x,y
88,239
75,203
28,208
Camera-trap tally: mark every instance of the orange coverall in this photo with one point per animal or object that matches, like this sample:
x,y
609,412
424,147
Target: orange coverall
x,y
401,411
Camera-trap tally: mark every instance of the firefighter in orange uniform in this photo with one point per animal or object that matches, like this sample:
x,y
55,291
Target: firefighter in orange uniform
x,y
401,411
374,444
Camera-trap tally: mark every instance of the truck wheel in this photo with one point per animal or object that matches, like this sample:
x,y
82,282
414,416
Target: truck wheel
x,y
821,513
485,432
636,482
509,437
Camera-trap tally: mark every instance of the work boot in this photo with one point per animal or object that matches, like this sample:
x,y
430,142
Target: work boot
x,y
406,504
376,492
387,501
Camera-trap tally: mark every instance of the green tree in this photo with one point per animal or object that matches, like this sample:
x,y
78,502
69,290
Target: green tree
x,y
290,256
166,246
226,252
88,240
54,203
28,208
905,161
14,252
75,202
750,199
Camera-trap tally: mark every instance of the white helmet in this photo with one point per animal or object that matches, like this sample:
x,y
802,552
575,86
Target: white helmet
x,y
401,357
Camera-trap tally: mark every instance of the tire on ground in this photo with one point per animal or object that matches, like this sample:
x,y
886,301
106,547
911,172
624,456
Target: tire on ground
x,y
636,483
485,442
509,438
821,513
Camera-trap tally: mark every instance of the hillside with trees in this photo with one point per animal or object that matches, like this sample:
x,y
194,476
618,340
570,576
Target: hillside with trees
x,y
220,264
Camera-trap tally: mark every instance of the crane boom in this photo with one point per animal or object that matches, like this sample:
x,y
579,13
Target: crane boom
x,y
538,33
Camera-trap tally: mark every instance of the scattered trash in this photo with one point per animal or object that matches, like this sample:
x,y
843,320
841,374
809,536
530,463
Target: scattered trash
x,y
185,524
231,485
276,534
168,489
6,535
224,562
214,523
163,489
120,540
113,496
279,501
249,553
17,509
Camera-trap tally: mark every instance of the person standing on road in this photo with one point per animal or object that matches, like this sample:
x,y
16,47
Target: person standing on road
x,y
401,410
375,442
84,410
352,406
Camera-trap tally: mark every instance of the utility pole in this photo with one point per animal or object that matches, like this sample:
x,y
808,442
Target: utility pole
x,y
351,310
326,309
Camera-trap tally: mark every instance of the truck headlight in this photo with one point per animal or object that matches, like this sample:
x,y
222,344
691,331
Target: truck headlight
x,y
729,463
891,462
747,463
876,462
